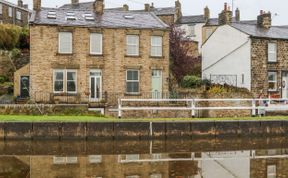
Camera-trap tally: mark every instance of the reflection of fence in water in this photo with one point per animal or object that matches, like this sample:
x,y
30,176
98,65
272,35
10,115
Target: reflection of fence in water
x,y
224,79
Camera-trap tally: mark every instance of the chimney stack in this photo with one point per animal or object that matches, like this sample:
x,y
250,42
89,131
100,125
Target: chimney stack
x,y
74,2
206,13
225,17
125,7
20,3
147,7
36,5
264,20
178,7
99,7
237,15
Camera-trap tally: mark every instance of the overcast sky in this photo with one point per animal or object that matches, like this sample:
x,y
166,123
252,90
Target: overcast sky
x,y
249,8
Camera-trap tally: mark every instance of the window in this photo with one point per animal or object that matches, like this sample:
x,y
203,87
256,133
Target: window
x,y
95,159
243,79
272,52
18,15
65,160
1,8
156,46
65,81
65,42
132,157
96,43
272,81
10,11
132,81
191,30
132,42
271,171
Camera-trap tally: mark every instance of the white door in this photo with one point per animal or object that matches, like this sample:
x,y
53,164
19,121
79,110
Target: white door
x,y
95,85
285,85
156,84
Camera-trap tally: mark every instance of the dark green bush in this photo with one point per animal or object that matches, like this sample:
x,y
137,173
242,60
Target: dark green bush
x,y
191,81
3,79
9,36
24,42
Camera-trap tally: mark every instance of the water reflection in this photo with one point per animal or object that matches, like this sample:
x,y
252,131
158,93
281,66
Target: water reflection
x,y
160,159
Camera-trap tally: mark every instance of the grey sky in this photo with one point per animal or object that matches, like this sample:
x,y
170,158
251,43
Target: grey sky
x,y
249,8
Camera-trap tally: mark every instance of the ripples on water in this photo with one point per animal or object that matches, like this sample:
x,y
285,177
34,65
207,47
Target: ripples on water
x,y
216,158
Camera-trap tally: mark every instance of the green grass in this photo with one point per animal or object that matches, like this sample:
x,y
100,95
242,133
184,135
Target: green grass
x,y
26,118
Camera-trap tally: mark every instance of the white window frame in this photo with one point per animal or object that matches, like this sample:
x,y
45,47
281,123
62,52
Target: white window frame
x,y
132,157
272,55
272,81
18,15
10,11
93,51
65,81
1,8
157,46
272,174
95,159
70,41
65,160
133,81
137,45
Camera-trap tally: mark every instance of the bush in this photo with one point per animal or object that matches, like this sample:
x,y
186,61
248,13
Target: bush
x,y
3,79
191,81
9,36
24,39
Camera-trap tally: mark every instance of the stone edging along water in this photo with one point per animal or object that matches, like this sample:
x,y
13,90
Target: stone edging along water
x,y
140,130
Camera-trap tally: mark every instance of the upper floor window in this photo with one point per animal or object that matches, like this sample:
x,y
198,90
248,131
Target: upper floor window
x,y
96,43
65,42
272,52
156,46
1,8
18,15
132,43
10,11
191,30
132,81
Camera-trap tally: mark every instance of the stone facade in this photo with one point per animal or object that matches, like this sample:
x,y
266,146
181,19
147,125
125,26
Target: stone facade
x,y
113,63
260,65
6,19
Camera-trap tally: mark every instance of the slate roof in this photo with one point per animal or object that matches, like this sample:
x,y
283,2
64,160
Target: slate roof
x,y
89,6
274,32
212,21
110,19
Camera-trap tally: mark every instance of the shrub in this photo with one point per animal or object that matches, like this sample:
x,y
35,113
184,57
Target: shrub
x,y
3,79
24,39
9,36
191,81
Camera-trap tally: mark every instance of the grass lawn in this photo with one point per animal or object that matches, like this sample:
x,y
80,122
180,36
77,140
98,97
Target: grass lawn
x,y
25,118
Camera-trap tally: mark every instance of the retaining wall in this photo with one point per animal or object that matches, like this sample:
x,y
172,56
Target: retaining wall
x,y
140,130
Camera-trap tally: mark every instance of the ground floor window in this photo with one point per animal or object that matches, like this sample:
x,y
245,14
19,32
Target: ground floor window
x,y
132,81
65,81
272,81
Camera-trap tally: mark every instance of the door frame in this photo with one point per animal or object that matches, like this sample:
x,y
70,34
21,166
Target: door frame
x,y
20,85
101,85
282,74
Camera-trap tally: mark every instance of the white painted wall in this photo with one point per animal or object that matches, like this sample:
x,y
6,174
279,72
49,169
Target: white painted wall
x,y
232,164
197,33
228,52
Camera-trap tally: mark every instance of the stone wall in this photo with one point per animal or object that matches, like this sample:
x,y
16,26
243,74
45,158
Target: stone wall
x,y
113,62
4,17
168,19
261,66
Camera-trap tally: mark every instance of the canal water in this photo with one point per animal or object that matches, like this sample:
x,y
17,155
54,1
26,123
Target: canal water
x,y
175,158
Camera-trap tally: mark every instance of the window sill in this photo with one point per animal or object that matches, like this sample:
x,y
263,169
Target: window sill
x,y
64,54
132,94
137,56
65,94
96,55
272,62
157,57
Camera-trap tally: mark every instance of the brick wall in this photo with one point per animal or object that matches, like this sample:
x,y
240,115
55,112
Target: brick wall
x,y
113,62
261,66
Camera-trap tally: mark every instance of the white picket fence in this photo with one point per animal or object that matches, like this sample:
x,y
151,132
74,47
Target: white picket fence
x,y
192,105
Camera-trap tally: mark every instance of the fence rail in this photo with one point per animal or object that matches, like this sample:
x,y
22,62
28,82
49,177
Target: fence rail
x,y
191,105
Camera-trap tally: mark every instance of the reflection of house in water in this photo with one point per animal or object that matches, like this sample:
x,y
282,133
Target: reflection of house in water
x,y
240,164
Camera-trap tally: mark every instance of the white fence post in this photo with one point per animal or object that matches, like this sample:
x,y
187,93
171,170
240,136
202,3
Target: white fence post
x,y
119,109
193,105
253,108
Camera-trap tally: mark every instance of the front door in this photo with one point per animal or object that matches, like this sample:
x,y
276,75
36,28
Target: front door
x,y
285,85
24,86
95,85
156,84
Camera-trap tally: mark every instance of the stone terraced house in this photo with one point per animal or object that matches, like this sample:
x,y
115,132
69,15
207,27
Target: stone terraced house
x,y
94,55
252,56
14,14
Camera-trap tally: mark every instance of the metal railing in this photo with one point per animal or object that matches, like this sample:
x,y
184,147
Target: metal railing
x,y
192,105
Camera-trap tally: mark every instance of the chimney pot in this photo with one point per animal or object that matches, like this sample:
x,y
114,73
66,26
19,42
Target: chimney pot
x,y
206,13
225,6
74,2
125,7
237,15
20,3
36,5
